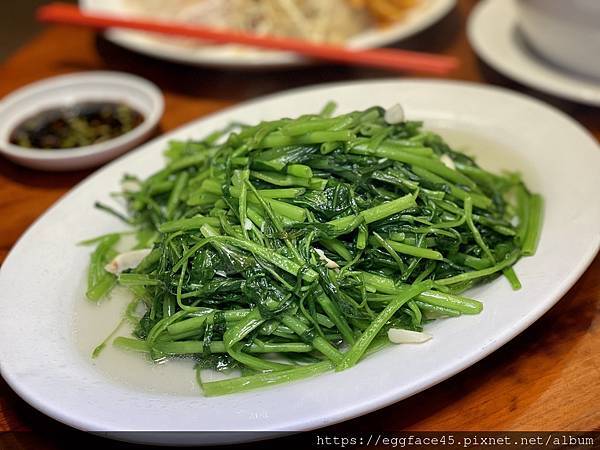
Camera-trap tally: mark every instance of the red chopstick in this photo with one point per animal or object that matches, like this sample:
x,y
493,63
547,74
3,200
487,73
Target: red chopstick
x,y
398,60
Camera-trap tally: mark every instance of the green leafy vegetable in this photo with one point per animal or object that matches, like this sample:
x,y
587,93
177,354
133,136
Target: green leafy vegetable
x,y
308,239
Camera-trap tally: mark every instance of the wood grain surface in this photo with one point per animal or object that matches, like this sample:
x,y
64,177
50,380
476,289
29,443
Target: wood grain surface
x,y
548,378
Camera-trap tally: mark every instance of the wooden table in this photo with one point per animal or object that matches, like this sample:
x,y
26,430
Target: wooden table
x,y
548,378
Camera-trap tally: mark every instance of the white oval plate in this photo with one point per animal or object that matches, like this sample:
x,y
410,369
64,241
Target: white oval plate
x,y
236,57
41,280
493,32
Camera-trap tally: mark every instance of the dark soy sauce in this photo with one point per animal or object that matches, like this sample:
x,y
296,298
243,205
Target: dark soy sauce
x,y
76,126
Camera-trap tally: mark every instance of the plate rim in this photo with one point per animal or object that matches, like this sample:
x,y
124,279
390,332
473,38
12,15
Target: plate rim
x,y
383,399
476,18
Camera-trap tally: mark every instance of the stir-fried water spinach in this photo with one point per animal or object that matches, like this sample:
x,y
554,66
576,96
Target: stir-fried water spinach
x,y
292,247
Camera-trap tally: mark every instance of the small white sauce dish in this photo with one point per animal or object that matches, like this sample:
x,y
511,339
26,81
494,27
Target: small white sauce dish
x,y
68,90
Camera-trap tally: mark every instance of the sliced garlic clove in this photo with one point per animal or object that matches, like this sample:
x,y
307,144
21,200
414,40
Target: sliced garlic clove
x,y
394,115
448,162
126,261
400,336
330,264
130,186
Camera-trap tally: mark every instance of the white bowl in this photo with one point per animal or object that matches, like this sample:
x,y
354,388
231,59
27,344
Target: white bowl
x,y
136,92
566,32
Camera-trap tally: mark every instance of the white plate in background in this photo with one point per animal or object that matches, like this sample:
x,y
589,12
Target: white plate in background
x,y
236,57
494,35
42,280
